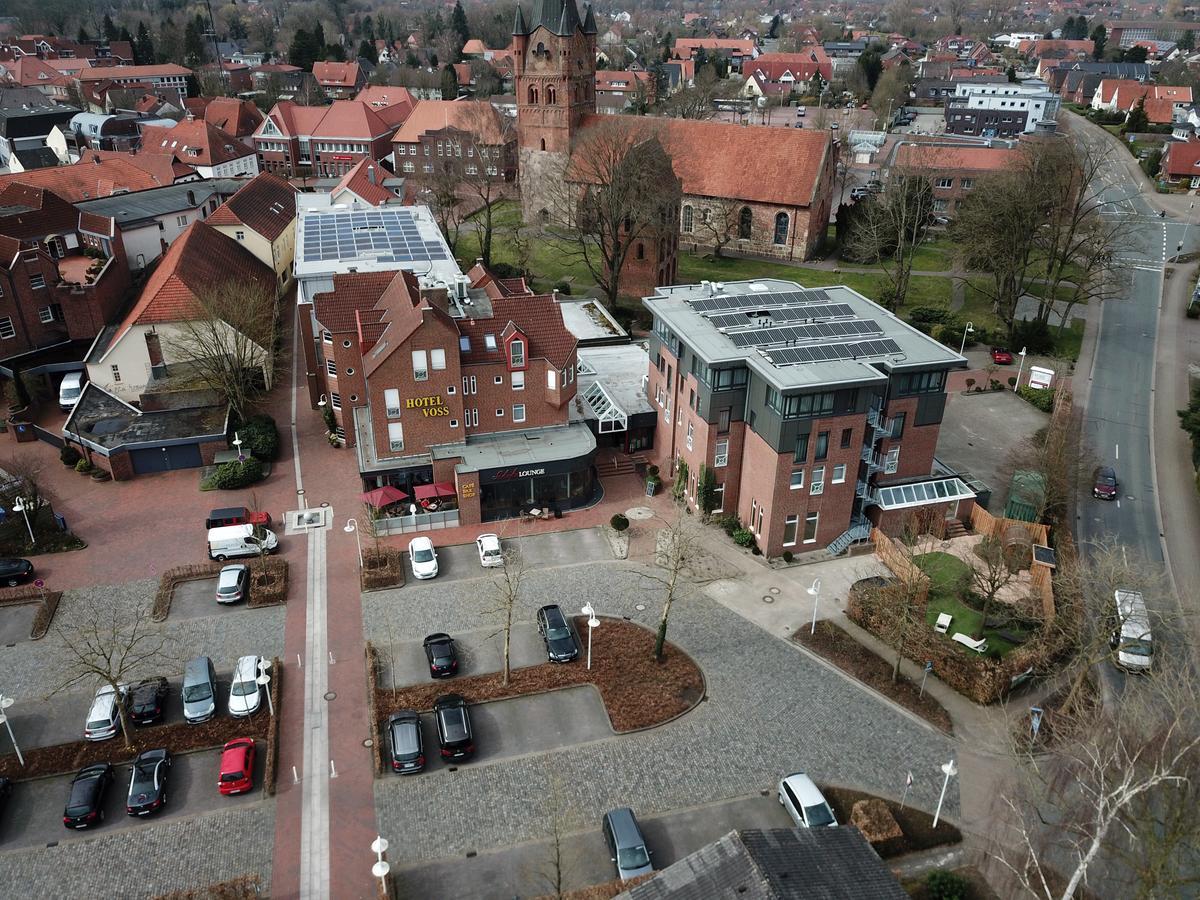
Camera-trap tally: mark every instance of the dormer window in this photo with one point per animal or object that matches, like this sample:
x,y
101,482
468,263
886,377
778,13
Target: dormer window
x,y
489,341
516,354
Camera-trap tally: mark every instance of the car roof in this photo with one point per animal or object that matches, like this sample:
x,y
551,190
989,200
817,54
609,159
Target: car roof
x,y
437,637
197,667
489,539
92,770
404,715
236,753
155,754
449,700
246,665
624,824
805,790
421,541
227,512
553,609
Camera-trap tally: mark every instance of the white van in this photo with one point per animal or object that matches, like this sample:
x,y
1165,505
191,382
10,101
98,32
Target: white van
x,y
240,540
69,390
1131,632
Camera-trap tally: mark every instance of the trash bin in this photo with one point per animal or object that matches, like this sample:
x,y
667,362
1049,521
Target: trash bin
x,y
60,521
557,513
23,432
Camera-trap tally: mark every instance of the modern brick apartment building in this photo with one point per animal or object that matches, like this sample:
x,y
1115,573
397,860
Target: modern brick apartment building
x,y
817,411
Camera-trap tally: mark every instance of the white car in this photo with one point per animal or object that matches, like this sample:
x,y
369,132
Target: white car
x,y
490,554
423,557
245,694
804,802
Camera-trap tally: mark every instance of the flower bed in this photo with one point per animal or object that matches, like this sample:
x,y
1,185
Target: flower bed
x,y
271,765
382,568
244,887
917,825
269,584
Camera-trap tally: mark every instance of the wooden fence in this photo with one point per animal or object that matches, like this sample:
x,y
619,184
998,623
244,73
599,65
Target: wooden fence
x,y
902,567
1041,586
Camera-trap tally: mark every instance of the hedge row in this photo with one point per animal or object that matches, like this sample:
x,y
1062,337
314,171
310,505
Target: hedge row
x,y
271,766
372,656
382,568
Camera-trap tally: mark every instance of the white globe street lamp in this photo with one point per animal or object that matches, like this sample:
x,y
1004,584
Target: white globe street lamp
x,y
593,624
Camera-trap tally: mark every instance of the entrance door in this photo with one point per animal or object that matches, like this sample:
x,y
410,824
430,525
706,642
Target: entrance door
x,y
165,459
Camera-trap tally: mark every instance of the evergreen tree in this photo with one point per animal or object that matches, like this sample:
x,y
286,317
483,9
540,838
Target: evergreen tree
x,y
1011,72
367,28
334,53
318,35
1099,39
303,51
83,36
1135,55
1137,122
458,23
143,47
193,43
1188,41
410,60
109,29
449,83
366,50
125,36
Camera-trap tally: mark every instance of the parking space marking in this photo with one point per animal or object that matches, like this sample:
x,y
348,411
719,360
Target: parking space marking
x,y
314,833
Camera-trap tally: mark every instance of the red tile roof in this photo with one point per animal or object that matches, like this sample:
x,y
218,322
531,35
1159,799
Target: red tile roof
x,y
119,72
342,118
743,162
960,158
200,259
539,317
194,142
233,116
37,212
359,182
392,104
265,204
801,66
87,179
336,74
1182,159
351,119
352,300
476,116
686,47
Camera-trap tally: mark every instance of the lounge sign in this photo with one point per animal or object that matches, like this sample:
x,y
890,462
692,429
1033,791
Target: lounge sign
x,y
429,406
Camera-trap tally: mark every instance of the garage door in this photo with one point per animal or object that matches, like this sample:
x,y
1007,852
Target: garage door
x,y
164,459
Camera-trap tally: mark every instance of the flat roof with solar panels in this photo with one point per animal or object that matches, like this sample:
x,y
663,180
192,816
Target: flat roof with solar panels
x,y
796,337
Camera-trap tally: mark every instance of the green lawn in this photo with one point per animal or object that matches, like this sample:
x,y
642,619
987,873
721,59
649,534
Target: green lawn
x,y
947,574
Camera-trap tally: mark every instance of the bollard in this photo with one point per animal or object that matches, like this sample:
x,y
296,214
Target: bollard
x,y
295,777
332,770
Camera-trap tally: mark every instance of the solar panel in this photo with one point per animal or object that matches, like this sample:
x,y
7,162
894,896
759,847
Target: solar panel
x,y
386,235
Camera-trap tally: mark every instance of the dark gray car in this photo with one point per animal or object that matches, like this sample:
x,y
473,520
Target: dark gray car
x,y
199,690
626,844
408,750
559,636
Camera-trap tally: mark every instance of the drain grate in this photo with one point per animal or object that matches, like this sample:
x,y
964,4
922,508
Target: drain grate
x,y
767,598
330,695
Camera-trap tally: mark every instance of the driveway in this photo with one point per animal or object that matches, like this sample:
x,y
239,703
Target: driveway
x,y
479,652
33,815
525,870
16,620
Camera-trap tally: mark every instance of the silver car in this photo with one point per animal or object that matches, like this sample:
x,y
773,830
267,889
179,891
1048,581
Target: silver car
x,y
104,715
804,802
245,694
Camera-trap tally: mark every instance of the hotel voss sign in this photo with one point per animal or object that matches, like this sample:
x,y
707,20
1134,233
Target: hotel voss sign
x,y
429,406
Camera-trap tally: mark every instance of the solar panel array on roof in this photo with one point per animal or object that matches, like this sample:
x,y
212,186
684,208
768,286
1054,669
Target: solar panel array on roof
x,y
788,356
763,337
757,300
389,235
814,311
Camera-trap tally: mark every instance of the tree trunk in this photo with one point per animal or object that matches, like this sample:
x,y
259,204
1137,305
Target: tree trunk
x,y
122,717
507,644
987,607
661,639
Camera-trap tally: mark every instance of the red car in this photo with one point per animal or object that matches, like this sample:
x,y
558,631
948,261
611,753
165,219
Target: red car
x,y
1002,357
237,767
236,515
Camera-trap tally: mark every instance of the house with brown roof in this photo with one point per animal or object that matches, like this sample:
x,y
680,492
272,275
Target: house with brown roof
x,y
261,216
368,182
785,74
617,91
238,118
327,141
165,78
739,51
339,80
212,152
131,354
954,169
1161,101
1181,163
466,129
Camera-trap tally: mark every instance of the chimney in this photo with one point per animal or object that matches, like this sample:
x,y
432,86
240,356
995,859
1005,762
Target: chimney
x,y
371,174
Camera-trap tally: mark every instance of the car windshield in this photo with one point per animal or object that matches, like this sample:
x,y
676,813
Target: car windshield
x,y
143,773
491,551
633,858
232,776
818,815
97,724
245,688
441,653
422,555
1137,648
194,693
558,634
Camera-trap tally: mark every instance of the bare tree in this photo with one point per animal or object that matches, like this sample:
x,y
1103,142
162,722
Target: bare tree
x,y
110,643
676,569
26,482
557,863
990,575
230,343
719,222
696,100
438,188
620,189
506,585
957,10
891,229
488,135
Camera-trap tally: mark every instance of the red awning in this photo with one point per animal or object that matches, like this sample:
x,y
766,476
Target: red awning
x,y
384,496
441,489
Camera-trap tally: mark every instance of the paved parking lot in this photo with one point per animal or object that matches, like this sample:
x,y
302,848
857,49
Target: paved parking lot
x,y
479,652
16,620
33,815
555,548
526,870
195,599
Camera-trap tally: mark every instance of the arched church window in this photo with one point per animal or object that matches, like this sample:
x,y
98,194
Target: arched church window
x,y
533,93
781,228
745,221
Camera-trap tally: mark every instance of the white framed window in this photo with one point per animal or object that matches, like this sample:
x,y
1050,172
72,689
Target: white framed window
x,y
500,412
37,281
817,485
331,368
335,400
944,183
7,330
454,423
761,511
690,431
396,436
240,235
497,379
450,390
181,221
551,379
489,341
517,379
719,497
810,527
516,354
797,479
790,526
464,343
116,370
420,365
474,385
391,401
474,418
327,337
518,414
437,359
409,166
839,474
892,461
721,454
46,315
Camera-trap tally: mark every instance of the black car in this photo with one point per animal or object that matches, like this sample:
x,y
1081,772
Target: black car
x,y
85,805
442,656
455,737
408,747
558,634
15,571
147,700
148,782
5,792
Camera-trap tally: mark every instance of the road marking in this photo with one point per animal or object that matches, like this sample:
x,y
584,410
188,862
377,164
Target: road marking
x,y
1118,504
314,833
1117,450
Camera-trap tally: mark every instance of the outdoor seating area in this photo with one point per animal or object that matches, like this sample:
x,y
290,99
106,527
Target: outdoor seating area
x,y
390,501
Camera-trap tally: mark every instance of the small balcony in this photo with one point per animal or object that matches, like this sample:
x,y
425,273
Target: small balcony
x,y
78,270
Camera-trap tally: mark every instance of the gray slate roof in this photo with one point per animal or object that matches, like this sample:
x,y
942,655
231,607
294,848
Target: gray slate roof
x,y
777,864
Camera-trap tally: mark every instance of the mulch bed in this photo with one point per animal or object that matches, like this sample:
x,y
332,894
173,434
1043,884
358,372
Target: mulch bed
x,y
917,825
269,587
637,691
244,887
178,737
835,645
271,766
382,568
47,605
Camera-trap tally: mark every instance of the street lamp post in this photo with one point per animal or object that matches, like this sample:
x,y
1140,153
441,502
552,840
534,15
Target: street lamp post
x,y
322,402
352,528
381,868
593,624
1020,369
20,506
237,445
814,592
264,680
950,771
5,704
970,329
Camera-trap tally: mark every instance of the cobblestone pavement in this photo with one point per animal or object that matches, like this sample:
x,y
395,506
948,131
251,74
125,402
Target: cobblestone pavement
x,y
769,710
145,862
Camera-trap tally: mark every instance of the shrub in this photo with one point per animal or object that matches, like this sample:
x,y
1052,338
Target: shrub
x,y
946,334
260,437
788,556
233,475
1012,380
931,315
618,522
943,885
505,270
729,524
1042,398
563,287
1192,311
83,466
970,383
652,472
1035,337
994,384
743,537
69,455
329,417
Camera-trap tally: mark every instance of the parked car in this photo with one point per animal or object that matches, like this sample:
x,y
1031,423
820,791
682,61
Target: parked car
x,y
148,782
104,715
875,186
424,557
235,515
557,633
804,802
237,767
1001,356
199,690
245,693
441,654
146,700
408,746
15,571
490,552
240,540
5,792
455,736
69,390
626,844
233,584
1104,483
85,803
859,193
1131,640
